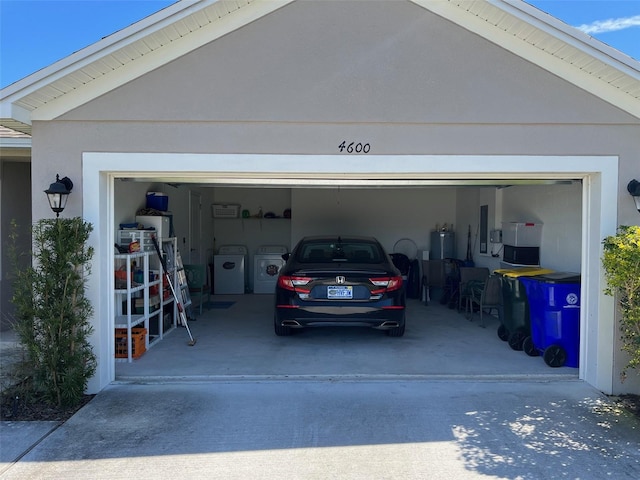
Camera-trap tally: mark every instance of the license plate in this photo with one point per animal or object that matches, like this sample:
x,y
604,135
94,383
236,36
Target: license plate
x,y
340,291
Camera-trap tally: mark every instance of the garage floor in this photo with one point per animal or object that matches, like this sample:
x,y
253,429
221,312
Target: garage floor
x,y
239,341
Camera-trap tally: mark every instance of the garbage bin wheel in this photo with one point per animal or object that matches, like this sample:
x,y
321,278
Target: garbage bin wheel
x,y
554,356
503,333
516,339
529,348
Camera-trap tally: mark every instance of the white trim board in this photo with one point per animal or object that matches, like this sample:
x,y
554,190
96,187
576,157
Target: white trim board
x,y
599,175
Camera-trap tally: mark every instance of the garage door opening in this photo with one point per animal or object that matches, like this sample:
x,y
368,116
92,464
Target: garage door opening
x,y
410,198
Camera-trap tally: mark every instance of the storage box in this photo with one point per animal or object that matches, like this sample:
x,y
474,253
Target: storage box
x,y
160,223
125,237
137,342
521,234
219,210
158,201
138,305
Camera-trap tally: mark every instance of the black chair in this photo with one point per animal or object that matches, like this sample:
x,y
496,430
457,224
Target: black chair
x,y
197,281
486,295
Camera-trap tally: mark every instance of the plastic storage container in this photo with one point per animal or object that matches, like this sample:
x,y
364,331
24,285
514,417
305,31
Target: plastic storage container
x,y
554,306
521,234
158,201
516,324
161,224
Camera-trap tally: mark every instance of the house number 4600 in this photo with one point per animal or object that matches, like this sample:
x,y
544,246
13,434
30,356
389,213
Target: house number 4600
x,y
354,147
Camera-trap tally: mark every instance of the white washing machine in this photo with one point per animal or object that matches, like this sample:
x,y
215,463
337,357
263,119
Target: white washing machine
x,y
267,263
230,270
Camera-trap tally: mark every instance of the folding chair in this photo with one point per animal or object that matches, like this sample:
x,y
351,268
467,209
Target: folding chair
x,y
487,295
197,281
467,276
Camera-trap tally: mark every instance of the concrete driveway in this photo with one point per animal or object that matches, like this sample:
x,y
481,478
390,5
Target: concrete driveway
x,y
347,429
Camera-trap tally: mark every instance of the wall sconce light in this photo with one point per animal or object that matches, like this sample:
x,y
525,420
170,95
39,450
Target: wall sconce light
x,y
634,189
58,193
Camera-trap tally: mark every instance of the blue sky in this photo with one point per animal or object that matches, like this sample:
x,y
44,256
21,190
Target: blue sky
x,y
37,33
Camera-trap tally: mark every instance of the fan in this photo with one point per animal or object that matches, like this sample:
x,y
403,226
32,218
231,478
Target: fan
x,y
407,247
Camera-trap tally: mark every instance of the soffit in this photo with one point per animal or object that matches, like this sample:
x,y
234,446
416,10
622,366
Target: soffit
x,y
184,26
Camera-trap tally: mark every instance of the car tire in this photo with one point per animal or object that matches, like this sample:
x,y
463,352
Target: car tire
x,y
279,329
397,331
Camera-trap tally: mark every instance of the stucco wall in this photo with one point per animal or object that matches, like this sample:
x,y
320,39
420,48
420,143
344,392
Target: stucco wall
x,y
304,78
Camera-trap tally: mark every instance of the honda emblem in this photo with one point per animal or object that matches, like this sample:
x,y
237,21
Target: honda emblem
x,y
340,280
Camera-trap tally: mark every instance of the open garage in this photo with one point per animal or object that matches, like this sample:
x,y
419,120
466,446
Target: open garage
x,y
392,205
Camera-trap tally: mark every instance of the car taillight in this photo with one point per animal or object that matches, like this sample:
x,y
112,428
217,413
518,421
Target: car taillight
x,y
295,284
387,283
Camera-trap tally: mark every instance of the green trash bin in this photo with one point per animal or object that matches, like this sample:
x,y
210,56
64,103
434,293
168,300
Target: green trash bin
x,y
516,325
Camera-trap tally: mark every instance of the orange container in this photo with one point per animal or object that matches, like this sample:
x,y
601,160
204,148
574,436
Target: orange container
x,y
137,342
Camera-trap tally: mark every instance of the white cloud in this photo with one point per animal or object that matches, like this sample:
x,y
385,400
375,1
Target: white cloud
x,y
610,25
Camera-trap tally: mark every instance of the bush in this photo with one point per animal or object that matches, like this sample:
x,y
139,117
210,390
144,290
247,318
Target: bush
x,y
52,311
621,262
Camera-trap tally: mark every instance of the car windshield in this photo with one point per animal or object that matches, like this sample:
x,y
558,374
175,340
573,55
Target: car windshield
x,y
348,251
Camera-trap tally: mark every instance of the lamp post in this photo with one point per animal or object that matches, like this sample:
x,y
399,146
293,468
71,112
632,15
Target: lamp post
x,y
58,193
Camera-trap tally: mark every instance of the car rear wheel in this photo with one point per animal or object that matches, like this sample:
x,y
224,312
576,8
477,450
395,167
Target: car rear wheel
x,y
279,329
397,331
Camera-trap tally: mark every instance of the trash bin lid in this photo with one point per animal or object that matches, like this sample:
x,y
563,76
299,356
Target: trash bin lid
x,y
523,272
560,277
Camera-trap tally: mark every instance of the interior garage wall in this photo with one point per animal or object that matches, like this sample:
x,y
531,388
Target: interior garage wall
x,y
388,214
559,209
130,197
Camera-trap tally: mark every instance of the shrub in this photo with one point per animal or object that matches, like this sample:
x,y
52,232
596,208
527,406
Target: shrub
x,y
52,311
621,262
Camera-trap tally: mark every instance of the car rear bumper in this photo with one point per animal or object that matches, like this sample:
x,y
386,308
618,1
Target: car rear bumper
x,y
300,317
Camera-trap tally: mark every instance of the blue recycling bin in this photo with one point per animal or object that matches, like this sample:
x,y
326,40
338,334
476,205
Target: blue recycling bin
x,y
554,311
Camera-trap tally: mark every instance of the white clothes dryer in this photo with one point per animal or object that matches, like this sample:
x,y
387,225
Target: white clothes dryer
x,y
267,263
230,270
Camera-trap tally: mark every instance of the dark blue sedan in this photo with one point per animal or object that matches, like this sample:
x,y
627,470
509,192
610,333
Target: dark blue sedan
x,y
339,281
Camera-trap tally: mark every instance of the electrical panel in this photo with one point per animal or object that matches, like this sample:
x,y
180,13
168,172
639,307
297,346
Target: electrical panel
x,y
495,236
